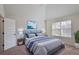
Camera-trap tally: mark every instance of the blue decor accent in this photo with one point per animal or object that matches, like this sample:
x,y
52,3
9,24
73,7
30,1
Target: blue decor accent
x,y
31,25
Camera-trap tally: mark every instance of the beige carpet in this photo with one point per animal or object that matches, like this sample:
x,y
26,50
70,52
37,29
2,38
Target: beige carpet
x,y
69,50
18,50
21,50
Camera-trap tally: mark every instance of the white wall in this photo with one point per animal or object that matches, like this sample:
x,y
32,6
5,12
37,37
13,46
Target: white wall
x,y
22,13
2,10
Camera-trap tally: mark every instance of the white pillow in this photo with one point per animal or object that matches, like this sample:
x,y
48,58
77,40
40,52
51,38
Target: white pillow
x,y
31,35
40,34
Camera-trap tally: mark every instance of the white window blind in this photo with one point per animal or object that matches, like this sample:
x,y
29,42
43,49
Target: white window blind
x,y
62,28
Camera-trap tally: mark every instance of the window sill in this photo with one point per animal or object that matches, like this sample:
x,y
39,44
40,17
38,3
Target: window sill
x,y
61,36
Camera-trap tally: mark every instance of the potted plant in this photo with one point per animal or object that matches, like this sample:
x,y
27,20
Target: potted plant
x,y
77,39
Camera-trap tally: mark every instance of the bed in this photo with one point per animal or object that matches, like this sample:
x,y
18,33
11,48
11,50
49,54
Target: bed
x,y
43,45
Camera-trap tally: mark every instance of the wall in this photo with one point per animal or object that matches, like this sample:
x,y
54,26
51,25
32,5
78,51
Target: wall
x,y
22,13
2,10
75,27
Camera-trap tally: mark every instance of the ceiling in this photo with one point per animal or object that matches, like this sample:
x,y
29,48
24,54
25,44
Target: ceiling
x,y
59,10
44,11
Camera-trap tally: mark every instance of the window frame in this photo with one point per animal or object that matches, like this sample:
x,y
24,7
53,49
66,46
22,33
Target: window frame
x,y
60,30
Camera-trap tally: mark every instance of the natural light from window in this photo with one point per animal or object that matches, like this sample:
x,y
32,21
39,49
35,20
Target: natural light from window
x,y
62,28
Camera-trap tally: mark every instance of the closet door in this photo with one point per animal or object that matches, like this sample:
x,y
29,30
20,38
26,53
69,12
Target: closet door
x,y
1,33
9,33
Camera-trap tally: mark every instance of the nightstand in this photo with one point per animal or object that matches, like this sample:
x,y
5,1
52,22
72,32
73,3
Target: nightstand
x,y
20,41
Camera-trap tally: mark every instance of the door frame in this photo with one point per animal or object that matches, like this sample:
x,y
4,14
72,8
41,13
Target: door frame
x,y
2,19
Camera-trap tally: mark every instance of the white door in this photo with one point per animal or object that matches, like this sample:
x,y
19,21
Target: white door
x,y
9,33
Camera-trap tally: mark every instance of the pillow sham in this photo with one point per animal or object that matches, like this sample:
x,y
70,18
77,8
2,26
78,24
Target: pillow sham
x,y
40,34
31,35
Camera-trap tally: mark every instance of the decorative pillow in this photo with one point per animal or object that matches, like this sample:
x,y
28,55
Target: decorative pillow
x,y
31,35
31,31
40,34
38,31
26,35
36,34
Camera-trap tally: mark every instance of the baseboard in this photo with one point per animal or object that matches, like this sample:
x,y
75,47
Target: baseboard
x,y
70,45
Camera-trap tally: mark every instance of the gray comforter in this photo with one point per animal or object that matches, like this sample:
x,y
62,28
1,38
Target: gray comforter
x,y
41,45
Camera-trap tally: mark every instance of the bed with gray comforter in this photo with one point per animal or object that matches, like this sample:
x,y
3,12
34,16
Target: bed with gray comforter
x,y
43,45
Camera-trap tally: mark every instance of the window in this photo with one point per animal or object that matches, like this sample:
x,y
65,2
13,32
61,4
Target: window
x,y
62,28
66,28
56,29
